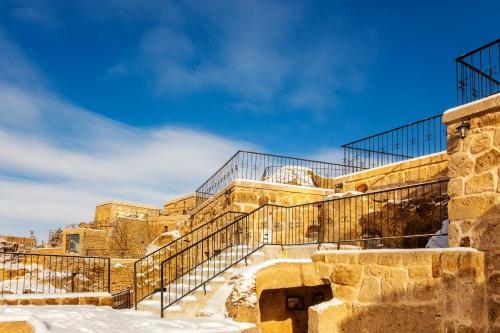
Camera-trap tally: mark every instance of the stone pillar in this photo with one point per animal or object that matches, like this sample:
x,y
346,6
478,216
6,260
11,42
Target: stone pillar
x,y
474,188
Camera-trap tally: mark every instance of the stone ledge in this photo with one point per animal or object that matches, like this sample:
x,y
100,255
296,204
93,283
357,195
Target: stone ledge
x,y
472,109
97,299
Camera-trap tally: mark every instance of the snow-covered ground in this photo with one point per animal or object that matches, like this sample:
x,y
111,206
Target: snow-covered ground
x,y
94,319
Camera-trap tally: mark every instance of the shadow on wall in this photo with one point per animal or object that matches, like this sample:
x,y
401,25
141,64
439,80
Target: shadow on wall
x,y
483,234
285,310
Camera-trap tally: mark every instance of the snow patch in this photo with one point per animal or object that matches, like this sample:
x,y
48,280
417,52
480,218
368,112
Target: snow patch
x,y
102,319
441,238
243,282
291,174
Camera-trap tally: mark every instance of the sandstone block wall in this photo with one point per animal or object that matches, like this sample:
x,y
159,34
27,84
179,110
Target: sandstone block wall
x,y
27,242
114,209
474,188
438,290
180,206
245,196
416,170
122,274
98,299
402,291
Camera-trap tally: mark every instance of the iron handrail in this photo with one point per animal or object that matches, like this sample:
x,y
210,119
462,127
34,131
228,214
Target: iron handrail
x,y
477,73
251,247
393,129
477,50
415,139
54,273
180,240
404,187
250,165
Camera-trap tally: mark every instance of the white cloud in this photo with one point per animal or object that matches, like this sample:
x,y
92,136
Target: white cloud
x,y
260,52
58,160
274,54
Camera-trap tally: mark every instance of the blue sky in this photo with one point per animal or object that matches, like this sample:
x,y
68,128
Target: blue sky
x,y
142,100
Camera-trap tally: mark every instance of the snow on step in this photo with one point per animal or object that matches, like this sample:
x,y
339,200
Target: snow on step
x,y
86,318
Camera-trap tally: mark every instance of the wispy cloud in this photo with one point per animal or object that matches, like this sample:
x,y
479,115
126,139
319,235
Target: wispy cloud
x,y
261,53
59,160
274,54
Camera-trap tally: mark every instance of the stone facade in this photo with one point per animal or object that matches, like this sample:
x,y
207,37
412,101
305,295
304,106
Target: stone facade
x,y
474,188
245,196
379,291
180,206
98,299
24,243
122,274
110,210
408,290
416,170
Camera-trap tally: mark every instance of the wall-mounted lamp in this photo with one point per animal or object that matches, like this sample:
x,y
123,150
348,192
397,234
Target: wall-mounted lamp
x,y
463,128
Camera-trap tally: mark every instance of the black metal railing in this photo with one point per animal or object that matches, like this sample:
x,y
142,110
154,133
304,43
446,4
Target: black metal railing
x,y
272,168
25,273
416,139
403,217
147,269
121,300
478,73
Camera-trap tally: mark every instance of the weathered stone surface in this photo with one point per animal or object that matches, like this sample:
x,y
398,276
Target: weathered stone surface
x,y
16,327
38,301
487,160
105,301
424,290
449,262
496,138
456,187
375,270
454,234
480,142
89,300
389,259
486,235
419,272
489,119
417,258
484,182
346,274
52,301
470,207
69,301
370,291
345,293
393,284
367,258
460,165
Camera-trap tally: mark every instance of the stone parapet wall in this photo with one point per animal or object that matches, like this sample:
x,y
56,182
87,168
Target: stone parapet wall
x,y
245,196
474,188
98,299
416,170
110,210
438,290
27,242
180,206
48,250
122,274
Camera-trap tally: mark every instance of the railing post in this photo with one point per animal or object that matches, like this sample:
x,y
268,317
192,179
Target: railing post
x,y
135,285
109,275
161,289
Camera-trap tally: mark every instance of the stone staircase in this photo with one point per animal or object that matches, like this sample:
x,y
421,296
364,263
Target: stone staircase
x,y
191,304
